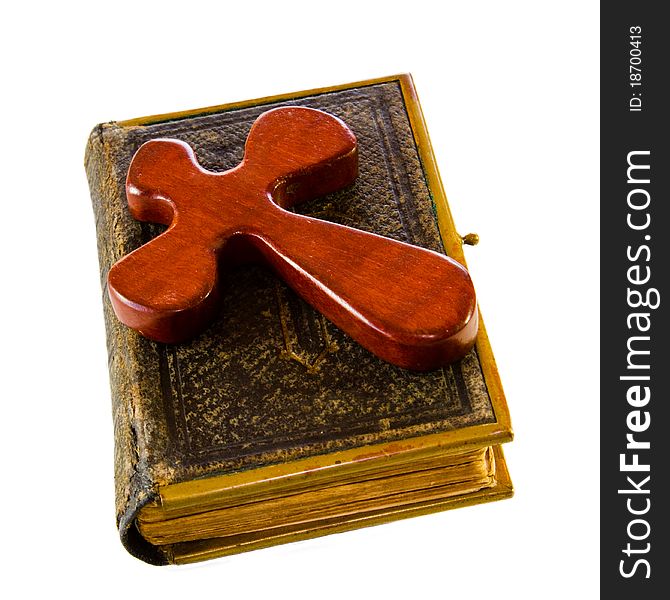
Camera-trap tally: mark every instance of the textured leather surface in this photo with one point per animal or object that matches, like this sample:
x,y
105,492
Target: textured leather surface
x,y
271,380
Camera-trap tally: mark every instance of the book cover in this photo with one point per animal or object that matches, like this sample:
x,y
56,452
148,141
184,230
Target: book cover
x,y
272,392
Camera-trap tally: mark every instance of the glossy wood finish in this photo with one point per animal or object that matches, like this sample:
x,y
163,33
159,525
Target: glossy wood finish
x,y
408,305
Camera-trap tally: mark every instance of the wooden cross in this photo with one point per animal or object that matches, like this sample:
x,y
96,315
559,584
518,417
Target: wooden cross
x,y
410,306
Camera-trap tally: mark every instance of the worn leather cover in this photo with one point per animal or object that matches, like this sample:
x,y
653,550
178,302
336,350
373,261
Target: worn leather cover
x,y
272,380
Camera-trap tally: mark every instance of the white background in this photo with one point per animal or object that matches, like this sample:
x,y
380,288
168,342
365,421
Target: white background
x,y
510,95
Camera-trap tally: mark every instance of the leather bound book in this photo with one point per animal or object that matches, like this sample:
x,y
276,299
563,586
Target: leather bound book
x,y
273,425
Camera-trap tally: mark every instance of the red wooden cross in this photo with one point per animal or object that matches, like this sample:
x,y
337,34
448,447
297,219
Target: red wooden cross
x,y
410,306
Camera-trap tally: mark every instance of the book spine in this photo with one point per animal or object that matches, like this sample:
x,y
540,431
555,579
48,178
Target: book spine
x,y
135,484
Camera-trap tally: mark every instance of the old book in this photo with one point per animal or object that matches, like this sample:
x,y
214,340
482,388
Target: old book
x,y
273,425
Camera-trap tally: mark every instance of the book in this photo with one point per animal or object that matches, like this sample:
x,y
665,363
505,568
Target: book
x,y
273,425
